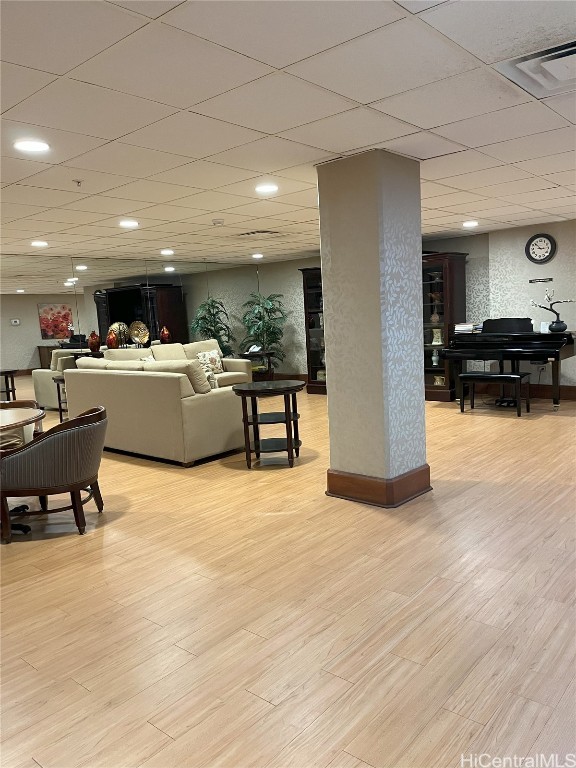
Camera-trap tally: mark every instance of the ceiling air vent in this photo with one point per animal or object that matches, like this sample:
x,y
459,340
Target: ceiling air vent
x,y
545,73
260,233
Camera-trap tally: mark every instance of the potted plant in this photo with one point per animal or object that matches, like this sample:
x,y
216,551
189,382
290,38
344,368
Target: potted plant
x,y
212,322
264,319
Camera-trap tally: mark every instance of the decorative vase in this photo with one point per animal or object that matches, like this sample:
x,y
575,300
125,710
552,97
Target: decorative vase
x,y
112,340
94,342
558,326
437,339
165,335
435,317
435,357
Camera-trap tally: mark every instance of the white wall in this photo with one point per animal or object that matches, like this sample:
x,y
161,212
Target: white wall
x,y
498,278
19,343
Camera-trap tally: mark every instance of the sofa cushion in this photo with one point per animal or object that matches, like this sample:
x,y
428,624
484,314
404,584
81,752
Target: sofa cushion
x,y
168,352
211,361
206,345
124,365
191,368
124,354
234,377
91,362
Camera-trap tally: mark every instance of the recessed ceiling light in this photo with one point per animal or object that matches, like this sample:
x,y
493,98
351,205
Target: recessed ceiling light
x,y
128,223
169,269
266,189
39,244
68,284
31,145
470,224
257,255
81,267
73,279
19,290
167,252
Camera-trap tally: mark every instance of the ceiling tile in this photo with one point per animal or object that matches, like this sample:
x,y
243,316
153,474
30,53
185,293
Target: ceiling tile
x,y
63,144
430,189
512,187
88,109
192,135
105,205
164,212
203,174
307,198
496,31
398,57
564,104
295,102
479,206
443,201
13,169
456,98
206,219
270,154
117,157
169,66
350,130
56,36
564,161
64,178
151,8
567,178
151,191
212,201
37,196
285,32
263,208
12,211
536,145
20,82
489,176
422,146
69,217
510,123
35,227
306,172
460,162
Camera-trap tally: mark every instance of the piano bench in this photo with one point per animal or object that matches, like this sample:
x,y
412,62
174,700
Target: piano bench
x,y
484,377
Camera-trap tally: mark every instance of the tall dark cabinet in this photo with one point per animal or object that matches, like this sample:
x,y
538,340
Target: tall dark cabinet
x,y
314,323
154,305
444,304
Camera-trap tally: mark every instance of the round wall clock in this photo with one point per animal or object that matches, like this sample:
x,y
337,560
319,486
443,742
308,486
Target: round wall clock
x,y
540,249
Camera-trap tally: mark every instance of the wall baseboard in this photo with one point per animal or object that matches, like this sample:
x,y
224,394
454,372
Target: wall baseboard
x,y
24,372
378,491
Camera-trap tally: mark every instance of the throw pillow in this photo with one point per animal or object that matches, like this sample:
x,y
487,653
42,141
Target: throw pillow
x,y
212,380
210,361
191,368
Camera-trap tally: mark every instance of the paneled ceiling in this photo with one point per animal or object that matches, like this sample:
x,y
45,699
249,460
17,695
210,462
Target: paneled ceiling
x,y
171,113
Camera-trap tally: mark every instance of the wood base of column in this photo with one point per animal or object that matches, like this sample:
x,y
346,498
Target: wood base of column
x,y
376,490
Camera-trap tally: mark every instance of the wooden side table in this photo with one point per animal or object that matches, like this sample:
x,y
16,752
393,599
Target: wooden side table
x,y
9,387
62,402
289,416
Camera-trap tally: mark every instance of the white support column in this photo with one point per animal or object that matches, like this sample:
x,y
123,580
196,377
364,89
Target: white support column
x,y
371,251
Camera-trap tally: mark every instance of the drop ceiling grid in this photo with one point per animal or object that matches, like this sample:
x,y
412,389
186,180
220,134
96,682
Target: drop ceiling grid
x,y
154,171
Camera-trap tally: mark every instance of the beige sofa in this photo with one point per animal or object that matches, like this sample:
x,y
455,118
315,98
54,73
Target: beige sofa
x,y
161,413
44,387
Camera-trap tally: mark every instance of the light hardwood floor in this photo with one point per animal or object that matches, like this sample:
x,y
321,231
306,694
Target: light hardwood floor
x,y
216,616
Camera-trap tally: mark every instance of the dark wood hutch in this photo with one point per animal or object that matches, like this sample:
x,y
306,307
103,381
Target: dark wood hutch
x,y
154,305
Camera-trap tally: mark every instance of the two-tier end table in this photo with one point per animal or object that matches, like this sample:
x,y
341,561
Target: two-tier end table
x,y
289,416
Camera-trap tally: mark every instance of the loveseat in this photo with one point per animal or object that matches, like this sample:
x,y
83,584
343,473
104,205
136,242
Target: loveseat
x,y
42,378
162,407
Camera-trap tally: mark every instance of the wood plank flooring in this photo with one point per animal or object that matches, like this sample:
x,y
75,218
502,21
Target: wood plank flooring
x,y
216,617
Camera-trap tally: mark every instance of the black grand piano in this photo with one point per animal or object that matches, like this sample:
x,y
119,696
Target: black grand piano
x,y
513,340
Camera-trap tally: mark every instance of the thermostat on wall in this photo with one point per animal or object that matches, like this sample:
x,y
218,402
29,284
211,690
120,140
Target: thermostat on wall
x,y
15,321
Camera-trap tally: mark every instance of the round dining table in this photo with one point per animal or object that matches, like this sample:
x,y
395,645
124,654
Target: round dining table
x,y
11,418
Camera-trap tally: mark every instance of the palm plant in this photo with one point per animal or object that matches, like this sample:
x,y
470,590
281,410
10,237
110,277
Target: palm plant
x,y
264,319
211,321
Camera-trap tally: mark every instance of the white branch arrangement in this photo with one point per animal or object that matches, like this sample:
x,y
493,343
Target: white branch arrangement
x,y
548,296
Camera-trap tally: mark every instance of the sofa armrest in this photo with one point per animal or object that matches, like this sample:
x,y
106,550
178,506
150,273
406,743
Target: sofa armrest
x,y
65,363
237,365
